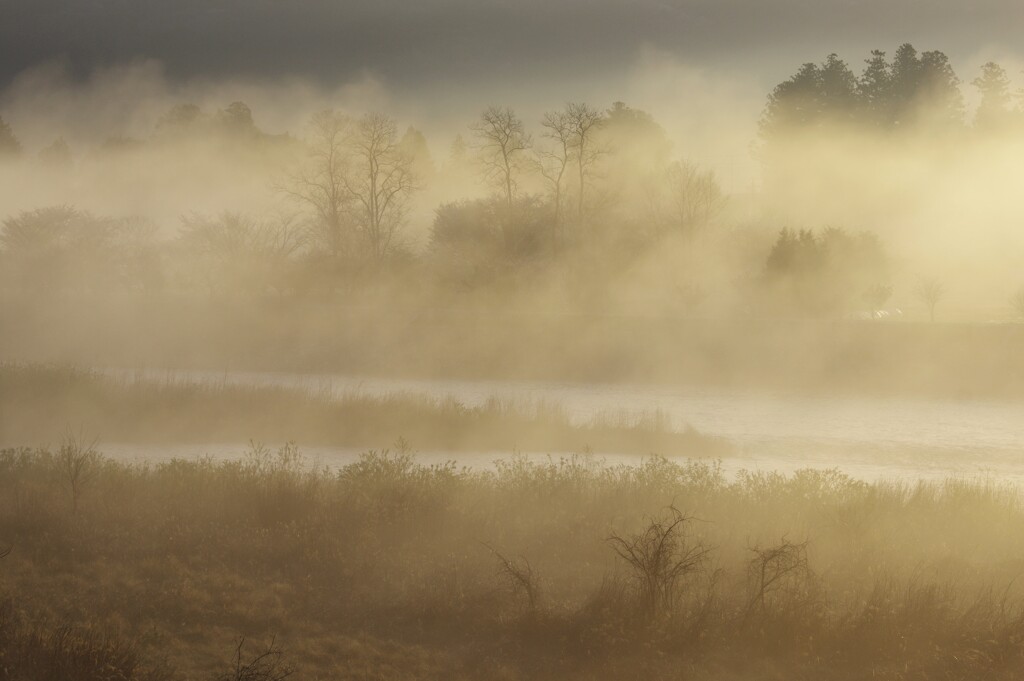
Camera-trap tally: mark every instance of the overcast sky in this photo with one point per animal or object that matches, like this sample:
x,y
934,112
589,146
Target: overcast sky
x,y
420,41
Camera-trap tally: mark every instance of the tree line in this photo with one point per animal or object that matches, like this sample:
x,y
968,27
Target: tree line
x,y
907,91
585,180
580,194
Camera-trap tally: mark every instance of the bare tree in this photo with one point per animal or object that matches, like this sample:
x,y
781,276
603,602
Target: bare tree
x,y
501,141
77,463
240,253
356,182
695,195
380,180
583,121
319,184
520,575
930,291
266,665
553,162
777,570
661,557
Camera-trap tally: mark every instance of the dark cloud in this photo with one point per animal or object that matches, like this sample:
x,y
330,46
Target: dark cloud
x,y
411,43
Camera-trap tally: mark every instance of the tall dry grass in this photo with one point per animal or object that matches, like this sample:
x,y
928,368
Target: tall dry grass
x,y
388,568
37,401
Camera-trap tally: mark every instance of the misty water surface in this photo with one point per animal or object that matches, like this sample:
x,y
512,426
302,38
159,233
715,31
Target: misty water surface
x,y
869,438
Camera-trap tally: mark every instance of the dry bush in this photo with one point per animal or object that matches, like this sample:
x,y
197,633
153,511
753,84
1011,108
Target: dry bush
x,y
520,576
388,550
662,558
265,665
777,573
77,463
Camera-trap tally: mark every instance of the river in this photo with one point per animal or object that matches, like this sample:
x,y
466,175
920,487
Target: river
x,y
869,438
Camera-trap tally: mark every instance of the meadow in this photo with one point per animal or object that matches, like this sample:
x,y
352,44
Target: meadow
x,y
569,569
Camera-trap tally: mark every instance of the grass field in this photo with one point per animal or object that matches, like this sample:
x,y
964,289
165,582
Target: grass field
x,y
388,569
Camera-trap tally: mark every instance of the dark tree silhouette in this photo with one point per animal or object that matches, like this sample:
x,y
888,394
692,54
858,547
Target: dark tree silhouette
x,y
472,241
794,104
814,95
996,99
905,77
319,184
913,89
941,102
501,142
695,198
182,118
874,89
838,100
236,119
584,122
822,274
380,181
553,161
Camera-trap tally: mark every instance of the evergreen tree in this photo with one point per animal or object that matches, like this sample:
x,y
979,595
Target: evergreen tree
x,y
875,90
994,86
837,90
793,104
904,84
939,98
911,90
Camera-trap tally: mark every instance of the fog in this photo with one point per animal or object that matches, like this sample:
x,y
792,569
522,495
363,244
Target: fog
x,y
941,202
565,340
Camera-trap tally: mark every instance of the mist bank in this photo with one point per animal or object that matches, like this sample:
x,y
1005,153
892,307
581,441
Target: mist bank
x,y
579,241
871,358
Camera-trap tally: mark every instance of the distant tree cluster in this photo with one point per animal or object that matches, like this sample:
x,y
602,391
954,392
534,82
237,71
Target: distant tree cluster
x,y
186,119
473,243
355,185
236,252
583,197
908,91
825,274
61,248
585,193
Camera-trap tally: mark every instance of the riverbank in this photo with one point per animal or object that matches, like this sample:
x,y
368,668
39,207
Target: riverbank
x,y
39,401
828,357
